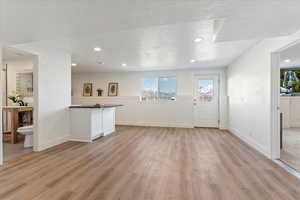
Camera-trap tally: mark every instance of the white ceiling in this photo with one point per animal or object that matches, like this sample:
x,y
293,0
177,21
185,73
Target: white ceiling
x,y
12,54
291,54
148,34
154,48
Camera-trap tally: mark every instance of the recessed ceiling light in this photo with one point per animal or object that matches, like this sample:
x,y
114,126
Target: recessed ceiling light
x,y
192,60
287,60
198,39
124,64
97,49
74,64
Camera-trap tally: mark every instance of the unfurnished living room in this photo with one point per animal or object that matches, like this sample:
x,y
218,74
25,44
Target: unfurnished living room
x,y
140,100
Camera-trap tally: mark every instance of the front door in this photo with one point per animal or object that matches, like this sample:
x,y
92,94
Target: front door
x,y
206,101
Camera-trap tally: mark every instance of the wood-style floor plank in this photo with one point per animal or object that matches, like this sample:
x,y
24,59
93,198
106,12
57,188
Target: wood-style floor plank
x,y
148,163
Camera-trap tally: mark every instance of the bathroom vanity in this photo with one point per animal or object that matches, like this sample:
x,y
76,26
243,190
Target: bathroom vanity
x,y
91,122
14,120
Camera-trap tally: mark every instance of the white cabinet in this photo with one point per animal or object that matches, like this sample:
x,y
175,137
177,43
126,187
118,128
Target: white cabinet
x,y
108,121
96,123
88,124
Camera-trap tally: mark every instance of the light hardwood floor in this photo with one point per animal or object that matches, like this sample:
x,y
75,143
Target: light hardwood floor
x,y
140,163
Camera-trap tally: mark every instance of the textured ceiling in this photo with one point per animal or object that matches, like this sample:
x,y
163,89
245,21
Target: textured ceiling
x,y
148,34
156,48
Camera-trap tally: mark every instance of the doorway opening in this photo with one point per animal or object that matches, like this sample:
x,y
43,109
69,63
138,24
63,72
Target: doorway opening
x,y
286,105
206,101
17,103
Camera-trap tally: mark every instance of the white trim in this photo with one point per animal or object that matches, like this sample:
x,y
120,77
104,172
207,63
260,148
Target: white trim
x,y
109,132
223,128
76,140
287,168
288,46
36,136
250,142
53,143
275,106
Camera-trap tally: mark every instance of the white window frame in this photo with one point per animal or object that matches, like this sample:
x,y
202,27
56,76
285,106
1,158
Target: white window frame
x,y
158,88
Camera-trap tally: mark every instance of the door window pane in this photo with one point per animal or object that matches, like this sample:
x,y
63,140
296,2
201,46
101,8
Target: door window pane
x,y
205,91
167,88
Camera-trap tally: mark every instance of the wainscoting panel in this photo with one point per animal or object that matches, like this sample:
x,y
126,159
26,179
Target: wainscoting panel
x,y
177,113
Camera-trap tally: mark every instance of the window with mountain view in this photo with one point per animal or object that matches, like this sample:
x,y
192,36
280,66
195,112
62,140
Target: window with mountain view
x,y
158,88
205,90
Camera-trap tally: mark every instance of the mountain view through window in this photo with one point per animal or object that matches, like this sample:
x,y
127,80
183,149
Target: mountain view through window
x,y
162,88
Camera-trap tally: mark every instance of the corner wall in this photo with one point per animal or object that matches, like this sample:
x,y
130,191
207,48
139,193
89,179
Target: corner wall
x,y
52,97
177,113
51,94
249,91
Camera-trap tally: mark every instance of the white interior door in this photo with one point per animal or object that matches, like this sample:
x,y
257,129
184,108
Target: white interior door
x,y
206,101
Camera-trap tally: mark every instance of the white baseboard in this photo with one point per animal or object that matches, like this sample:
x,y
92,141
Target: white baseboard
x,y
223,128
109,132
76,140
156,124
53,143
251,142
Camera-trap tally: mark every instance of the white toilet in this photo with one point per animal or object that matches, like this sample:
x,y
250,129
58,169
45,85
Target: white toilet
x,y
27,131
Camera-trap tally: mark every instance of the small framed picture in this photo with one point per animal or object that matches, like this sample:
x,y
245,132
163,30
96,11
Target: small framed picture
x,y
87,89
113,89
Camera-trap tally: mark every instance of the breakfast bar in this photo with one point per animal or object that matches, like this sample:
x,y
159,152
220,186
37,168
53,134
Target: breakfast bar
x,y
89,122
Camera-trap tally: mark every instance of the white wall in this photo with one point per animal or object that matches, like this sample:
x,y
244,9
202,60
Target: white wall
x,y
52,97
177,113
52,94
249,91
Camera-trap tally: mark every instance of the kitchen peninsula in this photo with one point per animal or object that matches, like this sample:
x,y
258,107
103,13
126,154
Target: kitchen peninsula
x,y
89,122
